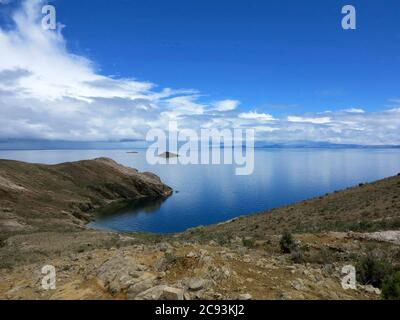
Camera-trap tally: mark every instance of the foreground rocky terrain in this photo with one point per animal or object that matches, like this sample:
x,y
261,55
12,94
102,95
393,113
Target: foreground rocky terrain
x,y
238,259
183,270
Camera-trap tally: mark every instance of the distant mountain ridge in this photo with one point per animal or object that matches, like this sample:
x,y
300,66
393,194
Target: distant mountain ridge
x,y
26,144
316,144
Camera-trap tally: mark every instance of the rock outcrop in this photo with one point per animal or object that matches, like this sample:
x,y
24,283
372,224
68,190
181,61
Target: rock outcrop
x,y
35,197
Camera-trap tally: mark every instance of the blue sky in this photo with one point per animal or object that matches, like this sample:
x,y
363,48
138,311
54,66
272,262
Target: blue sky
x,y
264,53
286,68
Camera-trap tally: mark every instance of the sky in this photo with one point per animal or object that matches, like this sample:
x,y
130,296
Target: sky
x,y
112,70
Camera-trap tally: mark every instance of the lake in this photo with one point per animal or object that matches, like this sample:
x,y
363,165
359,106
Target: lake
x,y
207,194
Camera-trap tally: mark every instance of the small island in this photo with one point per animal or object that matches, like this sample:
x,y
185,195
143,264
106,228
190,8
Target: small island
x,y
168,155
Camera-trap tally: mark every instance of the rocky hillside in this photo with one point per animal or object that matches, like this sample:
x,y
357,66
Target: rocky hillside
x,y
36,197
245,258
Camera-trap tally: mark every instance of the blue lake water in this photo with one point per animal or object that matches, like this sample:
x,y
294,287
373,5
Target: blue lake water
x,y
213,193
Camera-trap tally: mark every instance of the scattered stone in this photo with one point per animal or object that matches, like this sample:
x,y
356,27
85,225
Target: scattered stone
x,y
117,273
73,257
161,292
195,284
285,296
163,264
145,281
170,293
228,256
298,284
203,252
247,259
371,289
245,296
205,259
226,271
164,246
153,293
383,236
191,254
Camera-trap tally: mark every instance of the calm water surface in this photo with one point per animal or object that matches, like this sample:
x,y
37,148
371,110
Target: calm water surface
x,y
213,193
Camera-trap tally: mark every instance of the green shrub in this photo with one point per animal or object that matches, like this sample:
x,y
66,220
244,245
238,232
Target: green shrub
x,y
391,287
170,258
196,230
249,243
372,270
222,239
287,243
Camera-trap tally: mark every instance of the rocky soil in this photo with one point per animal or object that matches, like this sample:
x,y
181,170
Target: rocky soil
x,y
239,259
143,270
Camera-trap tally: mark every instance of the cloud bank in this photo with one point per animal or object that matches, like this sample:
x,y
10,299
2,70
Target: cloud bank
x,y
49,93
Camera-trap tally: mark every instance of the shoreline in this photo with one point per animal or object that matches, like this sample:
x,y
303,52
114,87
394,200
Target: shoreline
x,y
246,215
237,258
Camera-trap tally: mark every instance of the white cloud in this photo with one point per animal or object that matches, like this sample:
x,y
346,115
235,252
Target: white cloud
x,y
254,115
320,120
265,129
226,105
47,92
354,110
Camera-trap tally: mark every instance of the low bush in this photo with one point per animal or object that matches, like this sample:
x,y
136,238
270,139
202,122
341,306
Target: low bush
x,y
170,258
248,243
373,270
297,256
391,287
287,243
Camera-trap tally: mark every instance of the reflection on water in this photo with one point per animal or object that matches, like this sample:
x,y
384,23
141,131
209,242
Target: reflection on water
x,y
213,193
120,209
